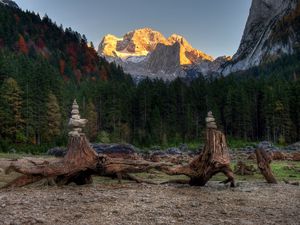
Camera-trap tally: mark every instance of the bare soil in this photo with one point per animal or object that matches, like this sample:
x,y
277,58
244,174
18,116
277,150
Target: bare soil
x,y
250,203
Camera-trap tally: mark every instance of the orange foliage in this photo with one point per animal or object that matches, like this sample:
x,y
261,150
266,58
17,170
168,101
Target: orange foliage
x,y
72,52
22,45
62,66
40,43
103,74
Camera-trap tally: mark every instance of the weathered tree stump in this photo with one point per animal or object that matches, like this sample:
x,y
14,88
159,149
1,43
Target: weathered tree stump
x,y
263,163
212,160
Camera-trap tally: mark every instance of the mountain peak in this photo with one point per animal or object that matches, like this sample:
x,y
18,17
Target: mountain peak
x,y
147,52
141,42
9,3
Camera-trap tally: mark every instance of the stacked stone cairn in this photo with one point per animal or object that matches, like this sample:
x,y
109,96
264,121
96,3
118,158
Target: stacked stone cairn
x,y
76,123
210,121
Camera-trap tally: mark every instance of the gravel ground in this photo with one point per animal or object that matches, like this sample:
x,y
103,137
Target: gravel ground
x,y
249,203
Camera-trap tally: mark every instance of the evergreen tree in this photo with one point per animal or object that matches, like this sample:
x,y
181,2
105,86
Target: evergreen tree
x,y
10,110
91,116
53,118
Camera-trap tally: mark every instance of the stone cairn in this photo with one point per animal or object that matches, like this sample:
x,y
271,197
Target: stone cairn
x,y
76,123
210,121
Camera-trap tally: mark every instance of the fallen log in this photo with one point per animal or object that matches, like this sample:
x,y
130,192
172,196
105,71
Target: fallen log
x,y
263,163
213,159
79,164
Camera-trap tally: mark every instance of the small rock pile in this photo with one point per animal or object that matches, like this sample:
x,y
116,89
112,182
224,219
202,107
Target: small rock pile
x,y
76,123
210,121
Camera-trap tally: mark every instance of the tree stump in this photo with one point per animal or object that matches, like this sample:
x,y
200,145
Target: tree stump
x,y
212,160
263,163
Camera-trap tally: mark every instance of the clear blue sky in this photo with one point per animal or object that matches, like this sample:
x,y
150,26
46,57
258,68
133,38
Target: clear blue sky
x,y
213,26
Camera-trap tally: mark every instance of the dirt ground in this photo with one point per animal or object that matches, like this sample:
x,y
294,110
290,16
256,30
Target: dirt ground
x,y
249,203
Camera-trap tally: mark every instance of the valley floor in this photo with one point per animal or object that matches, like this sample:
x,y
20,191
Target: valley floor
x,y
130,203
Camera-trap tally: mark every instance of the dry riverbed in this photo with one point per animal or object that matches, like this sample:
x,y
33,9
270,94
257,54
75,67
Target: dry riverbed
x,y
130,203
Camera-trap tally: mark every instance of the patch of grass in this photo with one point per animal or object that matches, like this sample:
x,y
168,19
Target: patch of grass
x,y
18,155
286,170
239,143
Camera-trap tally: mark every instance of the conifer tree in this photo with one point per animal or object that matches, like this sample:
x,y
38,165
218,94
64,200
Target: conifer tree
x,y
91,116
10,110
53,118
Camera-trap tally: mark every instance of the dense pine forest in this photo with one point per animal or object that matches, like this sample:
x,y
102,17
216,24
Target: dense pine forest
x,y
43,67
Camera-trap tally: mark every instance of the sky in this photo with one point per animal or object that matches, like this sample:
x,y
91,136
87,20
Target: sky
x,y
212,26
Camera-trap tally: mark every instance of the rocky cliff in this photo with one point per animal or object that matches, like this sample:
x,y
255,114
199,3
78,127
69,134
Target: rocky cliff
x,y
146,52
270,32
9,3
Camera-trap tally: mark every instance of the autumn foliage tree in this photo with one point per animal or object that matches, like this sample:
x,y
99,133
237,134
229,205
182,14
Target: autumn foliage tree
x,y
11,119
22,45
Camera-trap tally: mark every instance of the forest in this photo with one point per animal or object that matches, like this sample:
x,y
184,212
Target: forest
x,y
43,67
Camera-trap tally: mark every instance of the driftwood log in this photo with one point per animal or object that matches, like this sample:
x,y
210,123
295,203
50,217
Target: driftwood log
x,y
263,163
78,166
212,160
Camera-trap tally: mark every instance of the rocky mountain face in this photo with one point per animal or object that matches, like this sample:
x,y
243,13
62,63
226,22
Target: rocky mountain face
x,y
9,3
272,30
146,52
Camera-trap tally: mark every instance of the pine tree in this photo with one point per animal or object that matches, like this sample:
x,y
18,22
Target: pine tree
x,y
11,105
91,116
53,118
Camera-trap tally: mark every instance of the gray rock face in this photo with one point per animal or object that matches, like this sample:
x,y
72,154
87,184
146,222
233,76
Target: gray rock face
x,y
258,43
165,59
9,3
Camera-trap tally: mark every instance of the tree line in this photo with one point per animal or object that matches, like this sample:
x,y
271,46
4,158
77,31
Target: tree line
x,y
35,102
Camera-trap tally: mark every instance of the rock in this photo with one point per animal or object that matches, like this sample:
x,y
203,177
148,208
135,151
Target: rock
x,y
265,145
183,148
75,123
210,121
57,151
260,41
125,151
293,147
173,151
